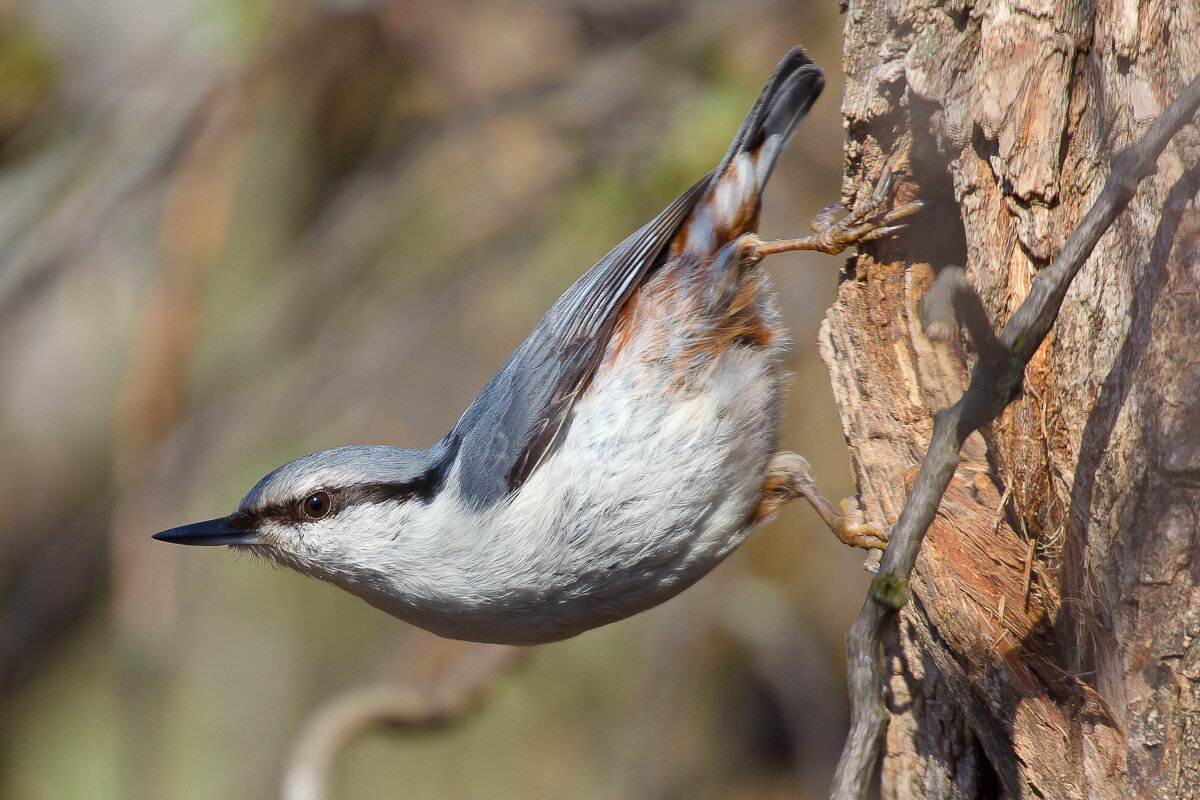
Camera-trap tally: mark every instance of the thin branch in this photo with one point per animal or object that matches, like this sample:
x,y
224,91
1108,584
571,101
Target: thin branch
x,y
403,707
995,382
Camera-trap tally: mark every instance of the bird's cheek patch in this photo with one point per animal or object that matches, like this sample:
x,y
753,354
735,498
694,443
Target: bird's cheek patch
x,y
275,534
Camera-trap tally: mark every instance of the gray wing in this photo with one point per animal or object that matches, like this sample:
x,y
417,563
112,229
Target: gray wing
x,y
517,417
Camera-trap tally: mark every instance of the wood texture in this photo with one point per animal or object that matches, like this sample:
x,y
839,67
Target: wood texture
x,y
1052,644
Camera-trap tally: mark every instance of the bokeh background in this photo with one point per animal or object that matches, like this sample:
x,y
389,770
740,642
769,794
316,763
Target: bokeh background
x,y
236,231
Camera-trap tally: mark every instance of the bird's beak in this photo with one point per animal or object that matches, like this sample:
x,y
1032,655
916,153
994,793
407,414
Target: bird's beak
x,y
210,532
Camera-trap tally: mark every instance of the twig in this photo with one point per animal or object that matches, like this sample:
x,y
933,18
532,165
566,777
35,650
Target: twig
x,y
1008,487
404,707
995,382
1027,573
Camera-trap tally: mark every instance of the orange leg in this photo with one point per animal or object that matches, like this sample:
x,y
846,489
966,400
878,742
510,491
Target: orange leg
x,y
789,476
864,224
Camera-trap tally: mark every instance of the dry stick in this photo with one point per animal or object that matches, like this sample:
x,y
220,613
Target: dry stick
x,y
995,382
405,707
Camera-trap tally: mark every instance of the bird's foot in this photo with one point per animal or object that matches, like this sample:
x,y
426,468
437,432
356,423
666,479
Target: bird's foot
x,y
864,224
789,476
852,528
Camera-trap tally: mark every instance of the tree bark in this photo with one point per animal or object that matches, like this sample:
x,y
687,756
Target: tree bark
x,y
1052,644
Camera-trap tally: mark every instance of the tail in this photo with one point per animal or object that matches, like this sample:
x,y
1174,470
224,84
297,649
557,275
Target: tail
x,y
730,203
788,95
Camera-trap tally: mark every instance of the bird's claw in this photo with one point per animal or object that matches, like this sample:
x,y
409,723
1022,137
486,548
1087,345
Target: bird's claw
x,y
852,528
863,224
789,476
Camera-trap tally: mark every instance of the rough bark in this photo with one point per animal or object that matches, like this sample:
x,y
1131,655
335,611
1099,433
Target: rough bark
x,y
1052,647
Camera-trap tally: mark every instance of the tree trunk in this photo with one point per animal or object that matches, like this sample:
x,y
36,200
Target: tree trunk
x,y
1052,645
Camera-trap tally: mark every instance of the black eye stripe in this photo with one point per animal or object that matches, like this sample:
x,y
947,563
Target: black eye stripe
x,y
293,512
419,489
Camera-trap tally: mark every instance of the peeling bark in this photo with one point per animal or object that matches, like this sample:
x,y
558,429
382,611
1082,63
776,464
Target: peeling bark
x,y
1052,647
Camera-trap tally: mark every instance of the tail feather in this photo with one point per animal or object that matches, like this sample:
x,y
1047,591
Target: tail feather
x,y
730,203
787,96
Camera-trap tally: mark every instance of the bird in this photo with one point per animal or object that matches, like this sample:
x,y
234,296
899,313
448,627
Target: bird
x,y
626,447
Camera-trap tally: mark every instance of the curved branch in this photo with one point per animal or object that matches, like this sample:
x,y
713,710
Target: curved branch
x,y
995,382
450,699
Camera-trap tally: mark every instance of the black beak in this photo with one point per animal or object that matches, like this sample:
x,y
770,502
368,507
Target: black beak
x,y
210,532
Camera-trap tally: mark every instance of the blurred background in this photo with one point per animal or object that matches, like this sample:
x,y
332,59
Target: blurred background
x,y
236,231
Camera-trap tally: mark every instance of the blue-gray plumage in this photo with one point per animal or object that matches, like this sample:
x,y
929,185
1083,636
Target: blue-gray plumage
x,y
622,451
521,410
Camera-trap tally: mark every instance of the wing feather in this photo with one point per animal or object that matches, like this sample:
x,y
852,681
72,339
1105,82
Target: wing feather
x,y
519,414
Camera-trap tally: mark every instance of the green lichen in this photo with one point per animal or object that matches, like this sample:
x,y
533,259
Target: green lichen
x,y
891,590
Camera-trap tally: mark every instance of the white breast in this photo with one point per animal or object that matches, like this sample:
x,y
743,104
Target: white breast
x,y
650,488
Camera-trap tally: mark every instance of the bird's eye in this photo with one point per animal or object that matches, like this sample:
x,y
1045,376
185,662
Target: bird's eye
x,y
316,505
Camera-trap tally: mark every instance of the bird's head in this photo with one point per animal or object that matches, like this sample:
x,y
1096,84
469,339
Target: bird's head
x,y
328,514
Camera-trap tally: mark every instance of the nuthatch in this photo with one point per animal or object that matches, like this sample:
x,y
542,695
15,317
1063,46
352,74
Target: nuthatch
x,y
627,446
